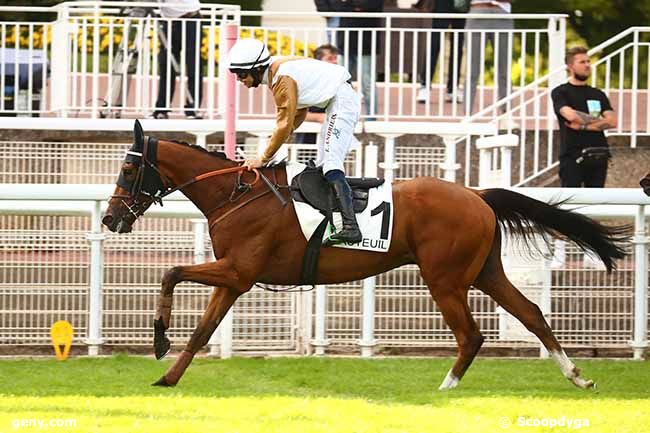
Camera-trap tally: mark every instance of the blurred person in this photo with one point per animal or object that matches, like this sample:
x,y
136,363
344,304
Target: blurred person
x,y
298,83
182,17
583,112
456,48
331,22
498,38
325,53
351,49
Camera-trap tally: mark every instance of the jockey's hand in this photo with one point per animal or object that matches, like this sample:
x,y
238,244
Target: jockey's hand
x,y
253,163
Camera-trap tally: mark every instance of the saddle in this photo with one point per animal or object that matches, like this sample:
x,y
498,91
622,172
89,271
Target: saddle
x,y
312,188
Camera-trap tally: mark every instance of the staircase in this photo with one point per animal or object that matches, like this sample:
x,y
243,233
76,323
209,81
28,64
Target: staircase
x,y
528,112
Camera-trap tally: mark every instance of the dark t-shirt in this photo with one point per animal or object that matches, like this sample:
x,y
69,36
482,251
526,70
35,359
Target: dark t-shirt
x,y
582,98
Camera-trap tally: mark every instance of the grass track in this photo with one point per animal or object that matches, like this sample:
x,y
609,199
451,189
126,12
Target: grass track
x,y
320,395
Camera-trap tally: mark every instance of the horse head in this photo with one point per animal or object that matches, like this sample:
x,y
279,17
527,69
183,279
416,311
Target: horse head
x,y
138,184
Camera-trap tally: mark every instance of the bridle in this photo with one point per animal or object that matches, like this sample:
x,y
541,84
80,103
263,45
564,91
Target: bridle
x,y
150,182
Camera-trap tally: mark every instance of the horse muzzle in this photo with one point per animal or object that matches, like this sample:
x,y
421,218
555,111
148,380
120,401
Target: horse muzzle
x,y
116,225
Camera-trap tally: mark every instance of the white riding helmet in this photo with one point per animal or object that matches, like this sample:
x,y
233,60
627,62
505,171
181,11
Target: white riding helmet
x,y
248,54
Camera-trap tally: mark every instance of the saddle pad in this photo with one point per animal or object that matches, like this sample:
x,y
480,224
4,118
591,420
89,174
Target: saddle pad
x,y
375,222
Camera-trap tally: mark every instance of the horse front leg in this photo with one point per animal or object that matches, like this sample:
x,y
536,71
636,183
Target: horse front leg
x,y
220,302
219,274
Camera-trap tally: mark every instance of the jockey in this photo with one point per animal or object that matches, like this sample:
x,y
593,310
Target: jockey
x,y
298,83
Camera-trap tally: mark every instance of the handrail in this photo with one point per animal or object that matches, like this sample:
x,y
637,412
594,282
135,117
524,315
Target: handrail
x,y
404,15
598,48
71,192
122,4
26,9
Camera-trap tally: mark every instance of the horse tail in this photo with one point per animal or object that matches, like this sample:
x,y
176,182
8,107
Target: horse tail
x,y
525,216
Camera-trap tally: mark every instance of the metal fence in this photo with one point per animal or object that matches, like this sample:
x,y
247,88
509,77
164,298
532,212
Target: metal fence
x,y
619,68
45,274
106,61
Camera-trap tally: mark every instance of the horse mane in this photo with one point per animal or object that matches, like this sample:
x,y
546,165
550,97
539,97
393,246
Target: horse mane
x,y
220,155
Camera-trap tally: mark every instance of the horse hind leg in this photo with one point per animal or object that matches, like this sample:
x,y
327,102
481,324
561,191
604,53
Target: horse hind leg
x,y
493,282
455,310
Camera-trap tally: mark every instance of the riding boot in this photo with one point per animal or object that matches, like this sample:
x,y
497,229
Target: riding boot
x,y
350,232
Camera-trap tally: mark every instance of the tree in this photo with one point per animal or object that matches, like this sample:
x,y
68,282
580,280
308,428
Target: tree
x,y
594,20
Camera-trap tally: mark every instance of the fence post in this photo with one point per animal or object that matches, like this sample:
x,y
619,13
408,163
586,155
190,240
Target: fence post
x,y
320,341
306,300
640,240
96,238
450,166
545,301
506,166
370,159
635,87
387,57
231,32
389,164
95,73
61,61
484,166
225,340
556,54
211,61
367,341
488,148
556,51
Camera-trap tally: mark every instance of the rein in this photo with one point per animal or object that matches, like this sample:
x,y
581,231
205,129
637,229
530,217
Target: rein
x,y
210,174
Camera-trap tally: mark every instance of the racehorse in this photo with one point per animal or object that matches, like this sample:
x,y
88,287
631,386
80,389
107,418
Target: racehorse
x,y
451,232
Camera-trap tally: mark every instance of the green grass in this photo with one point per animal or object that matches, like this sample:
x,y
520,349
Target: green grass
x,y
320,395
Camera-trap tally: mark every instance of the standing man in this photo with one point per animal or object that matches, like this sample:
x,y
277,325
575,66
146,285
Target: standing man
x,y
455,51
298,83
583,112
331,22
361,39
182,23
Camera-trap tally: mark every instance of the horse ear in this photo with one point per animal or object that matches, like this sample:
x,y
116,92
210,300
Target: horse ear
x,y
138,135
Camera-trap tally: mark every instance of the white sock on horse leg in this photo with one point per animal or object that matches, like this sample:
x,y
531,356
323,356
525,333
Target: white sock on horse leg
x,y
569,370
451,381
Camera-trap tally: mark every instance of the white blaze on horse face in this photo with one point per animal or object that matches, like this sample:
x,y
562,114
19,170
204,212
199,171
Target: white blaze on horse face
x,y
451,381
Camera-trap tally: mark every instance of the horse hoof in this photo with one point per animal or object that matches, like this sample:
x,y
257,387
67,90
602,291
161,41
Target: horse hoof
x,y
162,382
582,383
162,347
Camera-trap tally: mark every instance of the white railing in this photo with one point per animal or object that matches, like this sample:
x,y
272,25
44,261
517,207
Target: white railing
x,y
47,268
106,58
622,75
401,51
108,53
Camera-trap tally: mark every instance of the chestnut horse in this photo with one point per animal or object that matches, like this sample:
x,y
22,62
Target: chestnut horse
x,y
451,232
